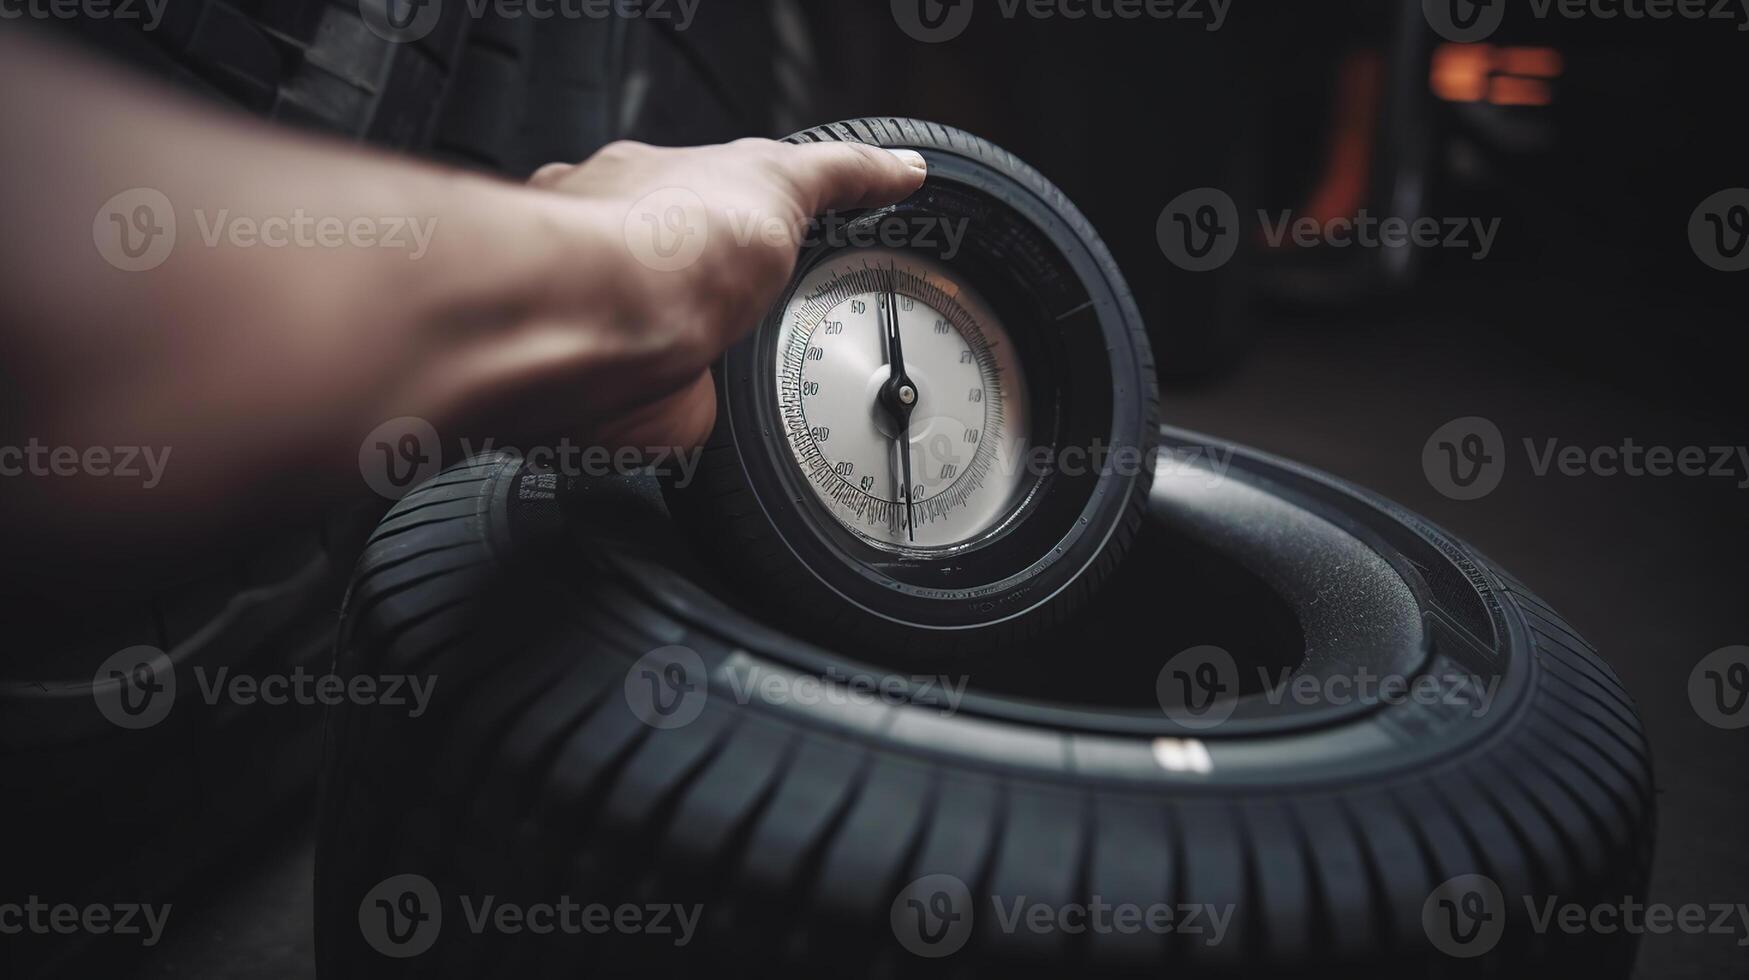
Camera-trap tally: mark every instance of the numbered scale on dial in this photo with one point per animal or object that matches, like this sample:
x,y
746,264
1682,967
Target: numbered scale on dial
x,y
902,400
930,450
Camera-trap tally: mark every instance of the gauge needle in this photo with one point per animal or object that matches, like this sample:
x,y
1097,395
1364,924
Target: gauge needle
x,y
898,397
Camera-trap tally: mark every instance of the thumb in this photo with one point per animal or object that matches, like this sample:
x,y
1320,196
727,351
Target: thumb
x,y
840,176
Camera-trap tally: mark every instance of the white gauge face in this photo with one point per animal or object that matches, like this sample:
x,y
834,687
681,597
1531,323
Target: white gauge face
x,y
963,432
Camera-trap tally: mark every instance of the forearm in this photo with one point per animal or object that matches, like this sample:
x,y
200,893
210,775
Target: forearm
x,y
308,291
312,291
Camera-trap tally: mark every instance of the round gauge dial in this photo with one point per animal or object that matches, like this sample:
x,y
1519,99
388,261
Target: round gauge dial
x,y
923,460
936,441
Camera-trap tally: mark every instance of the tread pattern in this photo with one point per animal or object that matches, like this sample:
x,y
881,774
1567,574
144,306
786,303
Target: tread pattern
x,y
796,836
502,92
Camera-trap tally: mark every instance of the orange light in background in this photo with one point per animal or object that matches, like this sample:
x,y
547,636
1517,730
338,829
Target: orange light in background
x,y
1496,75
1530,62
1354,124
1460,71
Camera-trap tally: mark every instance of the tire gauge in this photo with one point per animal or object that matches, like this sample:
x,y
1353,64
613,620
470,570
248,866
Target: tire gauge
x,y
940,438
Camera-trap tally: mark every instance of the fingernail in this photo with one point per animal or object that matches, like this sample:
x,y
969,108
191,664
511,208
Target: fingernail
x,y
911,158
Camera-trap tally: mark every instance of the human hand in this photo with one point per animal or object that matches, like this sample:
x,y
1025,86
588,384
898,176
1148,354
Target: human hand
x,y
665,257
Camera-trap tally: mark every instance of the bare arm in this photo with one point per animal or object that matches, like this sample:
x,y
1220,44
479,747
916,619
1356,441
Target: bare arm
x,y
253,369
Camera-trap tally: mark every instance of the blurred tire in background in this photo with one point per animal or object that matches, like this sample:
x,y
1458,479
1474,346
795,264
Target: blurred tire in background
x,y
136,812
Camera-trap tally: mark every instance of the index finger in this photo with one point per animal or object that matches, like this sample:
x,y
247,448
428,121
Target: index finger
x,y
840,176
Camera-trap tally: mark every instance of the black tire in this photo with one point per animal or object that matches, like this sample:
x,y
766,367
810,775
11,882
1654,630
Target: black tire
x,y
746,518
1327,831
504,92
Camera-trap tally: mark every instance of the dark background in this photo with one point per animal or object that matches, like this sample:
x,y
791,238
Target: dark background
x,y
1592,321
